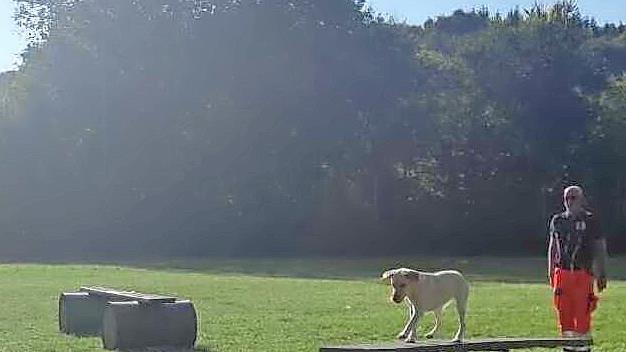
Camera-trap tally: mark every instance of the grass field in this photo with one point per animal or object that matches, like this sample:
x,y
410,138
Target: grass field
x,y
296,305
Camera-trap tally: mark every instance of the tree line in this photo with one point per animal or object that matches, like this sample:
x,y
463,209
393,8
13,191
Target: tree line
x,y
192,128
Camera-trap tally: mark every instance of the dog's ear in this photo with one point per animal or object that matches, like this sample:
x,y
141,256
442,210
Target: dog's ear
x,y
386,276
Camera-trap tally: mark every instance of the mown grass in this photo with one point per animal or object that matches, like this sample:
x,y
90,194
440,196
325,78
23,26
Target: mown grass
x,y
295,305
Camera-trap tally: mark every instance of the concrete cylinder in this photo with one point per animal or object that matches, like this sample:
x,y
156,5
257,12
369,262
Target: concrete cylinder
x,y
80,314
138,325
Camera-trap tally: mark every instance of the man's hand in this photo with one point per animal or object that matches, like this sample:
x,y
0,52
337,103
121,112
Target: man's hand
x,y
601,283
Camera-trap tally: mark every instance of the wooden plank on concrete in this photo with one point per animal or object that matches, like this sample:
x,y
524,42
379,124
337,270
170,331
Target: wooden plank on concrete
x,y
126,295
494,344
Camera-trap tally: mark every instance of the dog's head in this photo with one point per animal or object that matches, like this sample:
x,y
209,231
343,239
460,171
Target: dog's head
x,y
400,280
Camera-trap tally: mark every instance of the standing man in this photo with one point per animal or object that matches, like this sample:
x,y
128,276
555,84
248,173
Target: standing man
x,y
576,258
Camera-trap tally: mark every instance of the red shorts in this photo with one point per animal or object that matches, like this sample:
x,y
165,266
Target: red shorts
x,y
574,299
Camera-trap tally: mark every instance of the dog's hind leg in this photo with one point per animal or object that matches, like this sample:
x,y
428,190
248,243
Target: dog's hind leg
x,y
461,307
460,333
435,331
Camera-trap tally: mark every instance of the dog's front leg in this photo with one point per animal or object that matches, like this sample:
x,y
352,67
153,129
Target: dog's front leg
x,y
405,331
412,336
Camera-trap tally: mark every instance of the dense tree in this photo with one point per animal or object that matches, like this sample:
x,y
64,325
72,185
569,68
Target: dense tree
x,y
313,127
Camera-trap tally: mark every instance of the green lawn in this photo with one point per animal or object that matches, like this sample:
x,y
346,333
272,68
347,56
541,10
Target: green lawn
x,y
295,305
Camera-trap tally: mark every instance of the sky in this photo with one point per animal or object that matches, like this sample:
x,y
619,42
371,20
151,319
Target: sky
x,y
418,11
411,11
11,43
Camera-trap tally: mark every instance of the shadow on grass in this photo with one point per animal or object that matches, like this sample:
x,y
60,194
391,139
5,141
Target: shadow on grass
x,y
170,349
502,269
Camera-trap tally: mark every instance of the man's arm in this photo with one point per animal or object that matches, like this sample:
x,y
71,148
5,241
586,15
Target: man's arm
x,y
550,258
551,250
600,255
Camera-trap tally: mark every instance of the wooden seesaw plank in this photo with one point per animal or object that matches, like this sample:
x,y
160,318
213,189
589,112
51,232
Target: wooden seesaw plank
x,y
496,344
126,295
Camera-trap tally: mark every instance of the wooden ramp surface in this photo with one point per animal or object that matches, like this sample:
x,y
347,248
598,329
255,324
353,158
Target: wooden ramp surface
x,y
495,344
127,295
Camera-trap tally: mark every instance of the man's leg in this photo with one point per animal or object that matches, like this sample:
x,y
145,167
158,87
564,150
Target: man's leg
x,y
564,304
584,303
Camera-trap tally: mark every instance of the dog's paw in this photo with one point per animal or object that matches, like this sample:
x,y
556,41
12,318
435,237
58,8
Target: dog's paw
x,y
401,336
410,340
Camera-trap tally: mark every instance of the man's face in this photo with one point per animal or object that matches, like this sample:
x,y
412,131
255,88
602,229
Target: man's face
x,y
572,199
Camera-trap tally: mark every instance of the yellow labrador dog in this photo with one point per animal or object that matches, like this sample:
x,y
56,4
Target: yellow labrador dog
x,y
428,292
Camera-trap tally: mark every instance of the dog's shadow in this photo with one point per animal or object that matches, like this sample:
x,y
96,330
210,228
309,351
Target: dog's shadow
x,y
170,349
